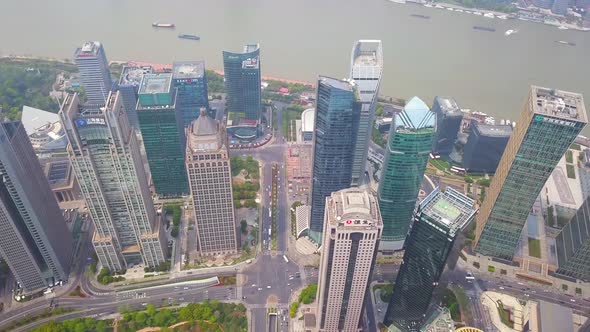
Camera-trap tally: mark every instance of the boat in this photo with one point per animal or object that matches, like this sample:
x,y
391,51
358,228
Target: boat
x,y
477,13
186,36
477,27
468,12
451,9
488,15
565,42
509,32
439,7
398,1
163,25
561,27
428,5
426,17
459,10
502,17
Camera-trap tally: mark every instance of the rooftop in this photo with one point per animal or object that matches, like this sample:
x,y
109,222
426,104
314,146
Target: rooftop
x,y
308,120
416,115
249,48
557,103
554,317
89,48
188,69
58,171
448,106
354,207
35,120
345,85
155,83
367,53
132,75
450,208
493,130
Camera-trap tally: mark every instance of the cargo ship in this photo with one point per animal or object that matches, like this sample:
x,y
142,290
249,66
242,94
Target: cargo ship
x,y
163,25
426,17
565,42
186,36
477,27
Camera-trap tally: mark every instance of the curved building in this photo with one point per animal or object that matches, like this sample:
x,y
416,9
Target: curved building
x,y
410,142
485,146
307,124
242,82
448,123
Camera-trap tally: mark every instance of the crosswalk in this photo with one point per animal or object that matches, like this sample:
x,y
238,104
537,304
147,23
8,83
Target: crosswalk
x,y
130,295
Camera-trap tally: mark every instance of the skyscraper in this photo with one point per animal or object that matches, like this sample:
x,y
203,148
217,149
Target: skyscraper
x,y
161,134
188,77
94,71
129,86
209,170
559,7
548,124
35,242
337,112
242,82
440,216
366,67
448,123
410,142
485,146
573,245
105,157
352,231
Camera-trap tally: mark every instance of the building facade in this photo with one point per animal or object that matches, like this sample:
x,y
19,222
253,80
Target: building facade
x,y
366,67
409,145
485,146
242,82
105,157
95,75
352,230
35,243
448,124
337,111
129,86
209,171
438,219
559,7
549,123
573,245
161,135
188,77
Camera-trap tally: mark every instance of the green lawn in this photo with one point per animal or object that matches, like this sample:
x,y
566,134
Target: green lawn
x,y
576,146
534,247
569,156
449,300
386,291
441,164
571,173
505,315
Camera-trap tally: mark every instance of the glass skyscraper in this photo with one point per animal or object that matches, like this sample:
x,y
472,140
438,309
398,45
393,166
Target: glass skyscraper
x,y
242,82
35,241
440,216
410,142
573,245
336,119
188,77
128,86
95,74
105,157
366,67
549,123
448,123
161,135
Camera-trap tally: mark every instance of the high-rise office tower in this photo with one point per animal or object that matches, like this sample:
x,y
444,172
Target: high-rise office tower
x,y
161,134
485,147
410,142
337,112
352,230
35,242
366,66
94,71
549,123
438,219
242,82
573,245
448,123
105,157
129,86
209,171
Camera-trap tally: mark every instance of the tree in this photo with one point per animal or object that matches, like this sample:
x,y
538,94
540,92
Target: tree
x,y
174,231
244,226
379,110
307,295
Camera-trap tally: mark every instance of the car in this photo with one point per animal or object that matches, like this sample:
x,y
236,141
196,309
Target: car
x,y
259,288
546,290
268,287
501,287
527,295
185,288
144,304
253,285
572,300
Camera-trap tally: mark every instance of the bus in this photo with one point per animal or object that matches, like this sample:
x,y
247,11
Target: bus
x,y
286,259
458,170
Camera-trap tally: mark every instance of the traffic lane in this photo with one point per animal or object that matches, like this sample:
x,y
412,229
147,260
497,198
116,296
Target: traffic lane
x,y
271,272
259,319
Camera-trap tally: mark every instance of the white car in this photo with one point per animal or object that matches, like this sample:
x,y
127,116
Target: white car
x,y
268,287
253,285
501,287
572,300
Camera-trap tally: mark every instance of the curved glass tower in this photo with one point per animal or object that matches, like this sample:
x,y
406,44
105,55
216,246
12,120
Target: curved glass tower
x,y
242,82
410,141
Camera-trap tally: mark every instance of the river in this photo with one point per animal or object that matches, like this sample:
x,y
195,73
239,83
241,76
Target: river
x,y
300,39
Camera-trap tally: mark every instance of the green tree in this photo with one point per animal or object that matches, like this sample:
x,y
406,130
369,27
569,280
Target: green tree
x,y
244,226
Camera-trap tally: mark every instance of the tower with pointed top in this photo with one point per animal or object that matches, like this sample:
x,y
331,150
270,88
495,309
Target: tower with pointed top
x,y
410,142
209,173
